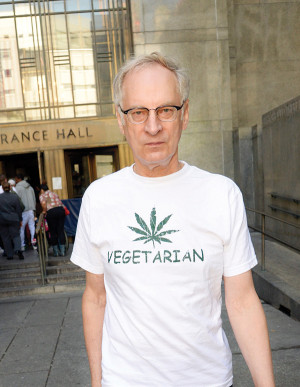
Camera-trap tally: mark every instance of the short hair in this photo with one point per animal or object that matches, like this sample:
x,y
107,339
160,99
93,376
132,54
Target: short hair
x,y
5,186
148,60
44,187
20,176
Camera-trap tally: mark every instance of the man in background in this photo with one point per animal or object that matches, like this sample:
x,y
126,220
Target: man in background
x,y
27,196
3,179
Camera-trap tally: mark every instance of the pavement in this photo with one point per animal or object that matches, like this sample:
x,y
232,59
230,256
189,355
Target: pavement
x,y
42,344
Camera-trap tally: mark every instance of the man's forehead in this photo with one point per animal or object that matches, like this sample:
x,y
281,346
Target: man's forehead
x,y
149,70
154,80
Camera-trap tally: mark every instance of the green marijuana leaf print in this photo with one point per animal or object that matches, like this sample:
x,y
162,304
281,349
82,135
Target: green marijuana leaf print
x,y
153,233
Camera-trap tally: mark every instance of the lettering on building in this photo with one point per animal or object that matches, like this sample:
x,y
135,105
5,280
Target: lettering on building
x,y
39,136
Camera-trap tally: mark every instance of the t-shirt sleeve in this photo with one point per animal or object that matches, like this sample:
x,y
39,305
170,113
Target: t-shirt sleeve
x,y
85,253
239,254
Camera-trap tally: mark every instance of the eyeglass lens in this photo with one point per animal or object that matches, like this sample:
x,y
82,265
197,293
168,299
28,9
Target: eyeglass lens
x,y
165,113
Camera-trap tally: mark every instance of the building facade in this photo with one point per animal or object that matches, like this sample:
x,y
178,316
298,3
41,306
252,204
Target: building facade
x,y
58,59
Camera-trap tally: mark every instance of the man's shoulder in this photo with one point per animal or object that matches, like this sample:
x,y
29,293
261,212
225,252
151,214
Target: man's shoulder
x,y
216,180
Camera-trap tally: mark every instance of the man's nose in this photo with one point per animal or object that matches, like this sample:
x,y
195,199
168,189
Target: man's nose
x,y
153,124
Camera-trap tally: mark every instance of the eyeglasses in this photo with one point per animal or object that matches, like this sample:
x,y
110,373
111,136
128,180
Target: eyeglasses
x,y
163,113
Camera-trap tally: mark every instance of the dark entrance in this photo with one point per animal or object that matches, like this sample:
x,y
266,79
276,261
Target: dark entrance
x,y
25,163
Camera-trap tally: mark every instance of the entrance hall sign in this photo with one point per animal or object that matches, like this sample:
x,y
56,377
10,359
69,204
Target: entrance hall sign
x,y
59,134
38,136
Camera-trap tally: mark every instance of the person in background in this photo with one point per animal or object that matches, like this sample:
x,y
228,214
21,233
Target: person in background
x,y
27,195
10,222
54,210
2,180
12,184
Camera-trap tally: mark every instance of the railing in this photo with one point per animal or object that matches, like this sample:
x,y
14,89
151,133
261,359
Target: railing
x,y
264,233
42,245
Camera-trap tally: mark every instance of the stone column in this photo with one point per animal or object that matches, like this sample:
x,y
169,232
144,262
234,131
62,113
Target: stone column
x,y
55,167
125,155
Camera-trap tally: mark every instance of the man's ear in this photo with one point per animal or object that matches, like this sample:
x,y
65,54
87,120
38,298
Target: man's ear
x,y
120,120
185,119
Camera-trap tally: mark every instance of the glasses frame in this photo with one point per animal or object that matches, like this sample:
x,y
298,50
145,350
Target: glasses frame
x,y
156,109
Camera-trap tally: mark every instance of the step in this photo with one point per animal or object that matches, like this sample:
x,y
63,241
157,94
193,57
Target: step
x,y
57,261
18,265
20,273
60,269
66,277
17,282
37,289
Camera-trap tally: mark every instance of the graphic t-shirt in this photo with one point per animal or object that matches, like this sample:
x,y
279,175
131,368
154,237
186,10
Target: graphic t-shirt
x,y
163,245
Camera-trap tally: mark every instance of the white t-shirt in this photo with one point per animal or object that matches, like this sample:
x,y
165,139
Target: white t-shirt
x,y
163,245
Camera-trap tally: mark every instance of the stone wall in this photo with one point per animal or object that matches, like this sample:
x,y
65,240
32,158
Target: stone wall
x,y
264,49
196,33
243,57
281,163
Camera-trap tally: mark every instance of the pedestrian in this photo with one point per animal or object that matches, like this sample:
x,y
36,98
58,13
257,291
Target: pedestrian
x,y
156,239
10,222
27,196
2,180
54,210
12,184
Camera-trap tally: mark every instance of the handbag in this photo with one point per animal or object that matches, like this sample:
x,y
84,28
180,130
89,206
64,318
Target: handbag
x,y
67,212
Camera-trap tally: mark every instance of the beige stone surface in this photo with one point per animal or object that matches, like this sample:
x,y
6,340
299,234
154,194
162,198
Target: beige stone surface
x,y
196,33
59,134
174,14
204,150
267,47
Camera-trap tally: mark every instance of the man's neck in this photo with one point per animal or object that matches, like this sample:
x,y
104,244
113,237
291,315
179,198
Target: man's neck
x,y
157,170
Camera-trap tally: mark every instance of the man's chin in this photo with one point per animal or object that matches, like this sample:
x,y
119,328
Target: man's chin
x,y
153,162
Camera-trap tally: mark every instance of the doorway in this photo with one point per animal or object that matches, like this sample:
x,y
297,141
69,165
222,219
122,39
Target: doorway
x,y
28,164
83,166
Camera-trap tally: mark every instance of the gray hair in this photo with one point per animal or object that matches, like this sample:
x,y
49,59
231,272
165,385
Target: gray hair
x,y
147,60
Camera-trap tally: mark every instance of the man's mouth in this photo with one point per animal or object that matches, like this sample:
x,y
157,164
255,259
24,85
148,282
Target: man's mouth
x,y
156,143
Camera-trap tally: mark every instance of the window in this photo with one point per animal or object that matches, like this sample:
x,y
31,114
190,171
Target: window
x,y
61,57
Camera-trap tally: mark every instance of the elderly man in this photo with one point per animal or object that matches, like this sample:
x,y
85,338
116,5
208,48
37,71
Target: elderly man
x,y
156,239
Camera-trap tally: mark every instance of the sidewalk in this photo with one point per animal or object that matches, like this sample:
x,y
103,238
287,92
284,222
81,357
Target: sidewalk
x,y
279,284
42,345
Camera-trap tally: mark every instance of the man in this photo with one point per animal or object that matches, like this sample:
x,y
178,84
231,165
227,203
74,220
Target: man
x,y
27,196
12,184
3,179
156,239
10,222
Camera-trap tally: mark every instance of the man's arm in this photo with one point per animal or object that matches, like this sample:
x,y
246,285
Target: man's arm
x,y
249,325
93,308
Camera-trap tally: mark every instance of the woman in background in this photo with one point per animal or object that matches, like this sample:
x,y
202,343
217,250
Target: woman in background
x,y
53,208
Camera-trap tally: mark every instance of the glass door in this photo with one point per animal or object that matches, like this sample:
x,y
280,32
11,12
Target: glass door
x,y
86,165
